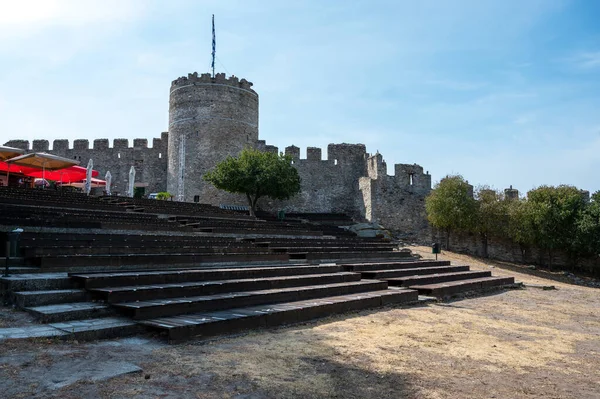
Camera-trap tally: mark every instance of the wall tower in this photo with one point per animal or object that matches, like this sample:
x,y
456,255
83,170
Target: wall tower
x,y
209,119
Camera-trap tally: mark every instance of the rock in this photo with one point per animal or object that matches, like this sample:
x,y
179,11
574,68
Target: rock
x,y
370,230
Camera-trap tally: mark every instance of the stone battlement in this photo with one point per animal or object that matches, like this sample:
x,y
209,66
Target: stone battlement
x,y
338,153
84,144
206,78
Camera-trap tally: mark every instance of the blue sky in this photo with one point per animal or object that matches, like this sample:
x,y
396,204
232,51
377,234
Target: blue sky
x,y
502,92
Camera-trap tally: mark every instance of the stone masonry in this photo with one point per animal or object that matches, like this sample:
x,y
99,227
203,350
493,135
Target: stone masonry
x,y
211,118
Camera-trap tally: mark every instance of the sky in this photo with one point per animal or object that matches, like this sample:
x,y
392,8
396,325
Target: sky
x,y
501,92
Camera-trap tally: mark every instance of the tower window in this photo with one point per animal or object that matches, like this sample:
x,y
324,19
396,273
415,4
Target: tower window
x,y
159,155
411,179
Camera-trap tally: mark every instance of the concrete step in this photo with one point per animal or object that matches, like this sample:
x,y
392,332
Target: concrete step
x,y
195,288
417,271
24,299
450,288
370,266
175,306
207,324
409,281
120,279
70,311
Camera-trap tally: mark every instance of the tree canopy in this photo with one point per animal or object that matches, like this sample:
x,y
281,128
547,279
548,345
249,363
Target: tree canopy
x,y
450,206
256,174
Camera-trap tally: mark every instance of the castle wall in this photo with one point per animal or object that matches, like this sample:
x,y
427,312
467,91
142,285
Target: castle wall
x,y
397,202
150,163
209,119
330,185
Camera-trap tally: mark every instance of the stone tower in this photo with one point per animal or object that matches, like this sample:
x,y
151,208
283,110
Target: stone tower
x,y
209,119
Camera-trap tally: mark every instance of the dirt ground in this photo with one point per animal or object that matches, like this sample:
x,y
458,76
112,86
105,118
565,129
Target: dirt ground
x,y
528,343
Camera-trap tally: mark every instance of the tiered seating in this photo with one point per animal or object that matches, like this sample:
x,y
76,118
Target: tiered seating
x,y
205,302
435,278
194,270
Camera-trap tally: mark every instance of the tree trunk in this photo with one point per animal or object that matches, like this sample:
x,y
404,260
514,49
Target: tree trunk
x,y
251,205
484,241
448,239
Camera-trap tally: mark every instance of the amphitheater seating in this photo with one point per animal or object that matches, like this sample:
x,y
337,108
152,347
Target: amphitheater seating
x,y
193,270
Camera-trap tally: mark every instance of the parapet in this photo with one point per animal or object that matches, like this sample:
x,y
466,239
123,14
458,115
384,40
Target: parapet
x,y
60,145
511,193
22,144
140,143
293,151
120,143
40,145
376,166
313,154
81,144
101,144
347,153
412,176
206,78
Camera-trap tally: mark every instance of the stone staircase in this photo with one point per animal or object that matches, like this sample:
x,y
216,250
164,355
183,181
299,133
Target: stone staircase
x,y
432,278
182,304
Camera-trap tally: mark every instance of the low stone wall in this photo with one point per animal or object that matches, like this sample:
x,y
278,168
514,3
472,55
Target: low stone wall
x,y
504,250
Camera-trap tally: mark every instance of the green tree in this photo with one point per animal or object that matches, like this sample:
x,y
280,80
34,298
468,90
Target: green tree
x,y
492,215
164,196
256,174
588,228
554,213
520,224
450,206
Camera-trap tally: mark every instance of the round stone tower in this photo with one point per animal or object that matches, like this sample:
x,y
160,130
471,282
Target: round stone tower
x,y
209,119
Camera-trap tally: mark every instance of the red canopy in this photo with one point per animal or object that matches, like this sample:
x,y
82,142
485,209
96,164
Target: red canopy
x,y
4,167
71,174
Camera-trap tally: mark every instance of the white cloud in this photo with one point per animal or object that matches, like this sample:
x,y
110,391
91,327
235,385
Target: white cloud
x,y
24,17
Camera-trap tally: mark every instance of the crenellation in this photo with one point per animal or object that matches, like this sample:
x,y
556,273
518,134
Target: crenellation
x,y
376,166
511,193
140,143
206,78
293,151
40,146
313,154
60,145
120,143
81,144
22,144
101,144
347,153
272,149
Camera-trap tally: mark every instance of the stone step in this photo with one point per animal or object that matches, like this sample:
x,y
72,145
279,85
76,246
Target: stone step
x,y
352,255
417,271
195,288
24,299
157,259
409,281
36,282
70,311
175,306
441,290
207,324
370,266
99,328
119,279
